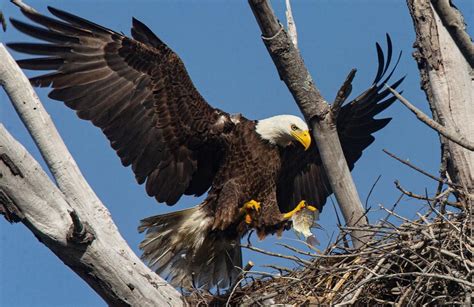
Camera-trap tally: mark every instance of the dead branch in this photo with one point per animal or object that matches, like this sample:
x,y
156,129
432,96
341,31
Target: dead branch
x,y
344,92
419,169
23,6
293,258
316,111
455,137
290,24
445,194
71,221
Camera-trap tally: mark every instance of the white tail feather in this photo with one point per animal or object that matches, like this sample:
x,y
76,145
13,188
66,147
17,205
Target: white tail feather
x,y
182,246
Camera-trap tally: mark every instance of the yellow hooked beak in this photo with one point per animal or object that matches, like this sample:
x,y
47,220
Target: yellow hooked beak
x,y
303,137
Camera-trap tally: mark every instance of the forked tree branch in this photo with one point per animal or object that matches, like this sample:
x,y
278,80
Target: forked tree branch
x,y
317,113
68,218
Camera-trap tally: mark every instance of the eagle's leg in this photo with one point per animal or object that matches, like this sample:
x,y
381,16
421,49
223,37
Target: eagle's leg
x,y
248,207
303,204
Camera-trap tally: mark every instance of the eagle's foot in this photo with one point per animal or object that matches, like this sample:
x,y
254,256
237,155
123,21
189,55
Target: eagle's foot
x,y
303,204
248,207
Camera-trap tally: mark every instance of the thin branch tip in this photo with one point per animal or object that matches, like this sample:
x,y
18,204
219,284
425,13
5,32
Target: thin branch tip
x,y
452,136
420,170
291,25
343,93
23,6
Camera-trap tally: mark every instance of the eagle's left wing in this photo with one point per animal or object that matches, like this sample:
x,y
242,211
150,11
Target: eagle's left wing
x,y
138,92
303,176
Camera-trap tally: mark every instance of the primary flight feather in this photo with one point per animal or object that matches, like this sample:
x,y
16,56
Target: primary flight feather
x,y
258,173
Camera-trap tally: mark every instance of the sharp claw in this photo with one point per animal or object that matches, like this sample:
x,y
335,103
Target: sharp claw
x,y
256,207
302,204
249,206
253,205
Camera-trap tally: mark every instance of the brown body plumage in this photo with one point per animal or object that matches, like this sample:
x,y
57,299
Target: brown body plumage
x,y
139,93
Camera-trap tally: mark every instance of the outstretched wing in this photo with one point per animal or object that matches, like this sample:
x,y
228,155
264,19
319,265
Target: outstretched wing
x,y
303,176
138,92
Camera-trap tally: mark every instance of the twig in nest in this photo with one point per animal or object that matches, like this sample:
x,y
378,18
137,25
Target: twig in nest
x,y
418,262
371,190
385,219
342,281
273,275
357,293
296,250
241,278
467,262
438,197
420,170
409,274
392,213
262,251
233,290
278,268
339,224
318,251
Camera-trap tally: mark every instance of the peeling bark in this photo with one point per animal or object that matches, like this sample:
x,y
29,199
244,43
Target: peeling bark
x,y
446,78
453,20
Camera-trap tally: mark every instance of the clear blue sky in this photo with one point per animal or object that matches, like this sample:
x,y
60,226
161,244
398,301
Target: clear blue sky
x,y
219,41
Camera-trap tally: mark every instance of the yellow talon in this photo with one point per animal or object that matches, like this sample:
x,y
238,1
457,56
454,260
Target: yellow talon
x,y
303,204
250,206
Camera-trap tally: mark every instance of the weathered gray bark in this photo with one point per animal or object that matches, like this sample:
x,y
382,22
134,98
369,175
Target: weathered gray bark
x,y
67,216
317,113
453,21
447,79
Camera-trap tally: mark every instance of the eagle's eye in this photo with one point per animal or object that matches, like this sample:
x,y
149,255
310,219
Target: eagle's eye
x,y
294,128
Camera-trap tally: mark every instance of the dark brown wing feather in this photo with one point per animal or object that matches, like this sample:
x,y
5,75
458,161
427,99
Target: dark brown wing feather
x,y
138,92
303,176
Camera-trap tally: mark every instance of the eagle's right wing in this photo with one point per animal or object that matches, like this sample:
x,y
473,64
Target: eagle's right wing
x,y
303,176
138,92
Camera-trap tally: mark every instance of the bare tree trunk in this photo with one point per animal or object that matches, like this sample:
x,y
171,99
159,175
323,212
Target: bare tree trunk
x,y
68,217
443,53
317,113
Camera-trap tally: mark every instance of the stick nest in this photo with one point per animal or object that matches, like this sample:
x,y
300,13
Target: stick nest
x,y
427,261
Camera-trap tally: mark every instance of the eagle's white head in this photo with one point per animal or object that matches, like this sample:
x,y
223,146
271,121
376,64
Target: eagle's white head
x,y
282,130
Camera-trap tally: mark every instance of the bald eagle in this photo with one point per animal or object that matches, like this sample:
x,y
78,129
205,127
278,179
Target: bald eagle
x,y
257,173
